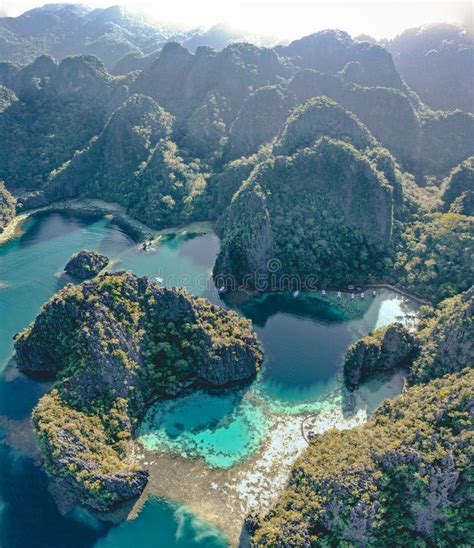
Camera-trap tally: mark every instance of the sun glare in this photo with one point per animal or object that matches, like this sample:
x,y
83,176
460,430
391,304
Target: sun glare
x,y
289,20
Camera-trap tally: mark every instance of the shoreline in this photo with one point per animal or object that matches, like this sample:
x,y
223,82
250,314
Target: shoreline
x,y
224,497
13,228
143,233
91,207
241,296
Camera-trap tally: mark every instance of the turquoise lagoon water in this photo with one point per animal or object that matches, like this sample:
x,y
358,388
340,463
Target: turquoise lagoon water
x,y
304,339
222,429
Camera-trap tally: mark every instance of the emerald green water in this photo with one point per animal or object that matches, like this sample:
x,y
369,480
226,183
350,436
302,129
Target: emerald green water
x,y
304,339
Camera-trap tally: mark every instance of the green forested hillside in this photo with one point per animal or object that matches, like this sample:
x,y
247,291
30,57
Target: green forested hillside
x,y
458,195
175,142
405,474
323,163
402,476
7,207
435,255
61,30
436,61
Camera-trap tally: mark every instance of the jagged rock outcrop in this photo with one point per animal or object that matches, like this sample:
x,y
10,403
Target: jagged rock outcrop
x,y
205,132
387,112
458,195
114,345
431,58
85,265
106,166
7,97
32,200
386,349
316,213
62,30
82,74
457,128
7,207
56,118
180,81
246,261
443,343
34,77
165,78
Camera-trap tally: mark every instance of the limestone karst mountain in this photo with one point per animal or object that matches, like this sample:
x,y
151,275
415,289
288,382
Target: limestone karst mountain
x,y
134,342
436,61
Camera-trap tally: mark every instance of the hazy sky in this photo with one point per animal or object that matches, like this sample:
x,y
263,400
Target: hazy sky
x,y
287,19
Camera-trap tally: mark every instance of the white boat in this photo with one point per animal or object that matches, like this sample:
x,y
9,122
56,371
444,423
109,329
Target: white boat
x,y
159,280
296,293
221,289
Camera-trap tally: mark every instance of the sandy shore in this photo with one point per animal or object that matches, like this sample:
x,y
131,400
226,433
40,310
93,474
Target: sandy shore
x,y
13,228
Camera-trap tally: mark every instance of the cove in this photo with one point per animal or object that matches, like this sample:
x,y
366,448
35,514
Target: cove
x,y
304,339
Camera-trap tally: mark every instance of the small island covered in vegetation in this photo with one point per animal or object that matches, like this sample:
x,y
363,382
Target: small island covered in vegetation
x,y
85,264
115,345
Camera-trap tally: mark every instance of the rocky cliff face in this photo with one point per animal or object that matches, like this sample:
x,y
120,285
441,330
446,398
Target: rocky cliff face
x,y
109,161
114,345
85,264
62,30
406,471
331,50
430,58
306,211
387,349
317,118
7,97
442,344
259,120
